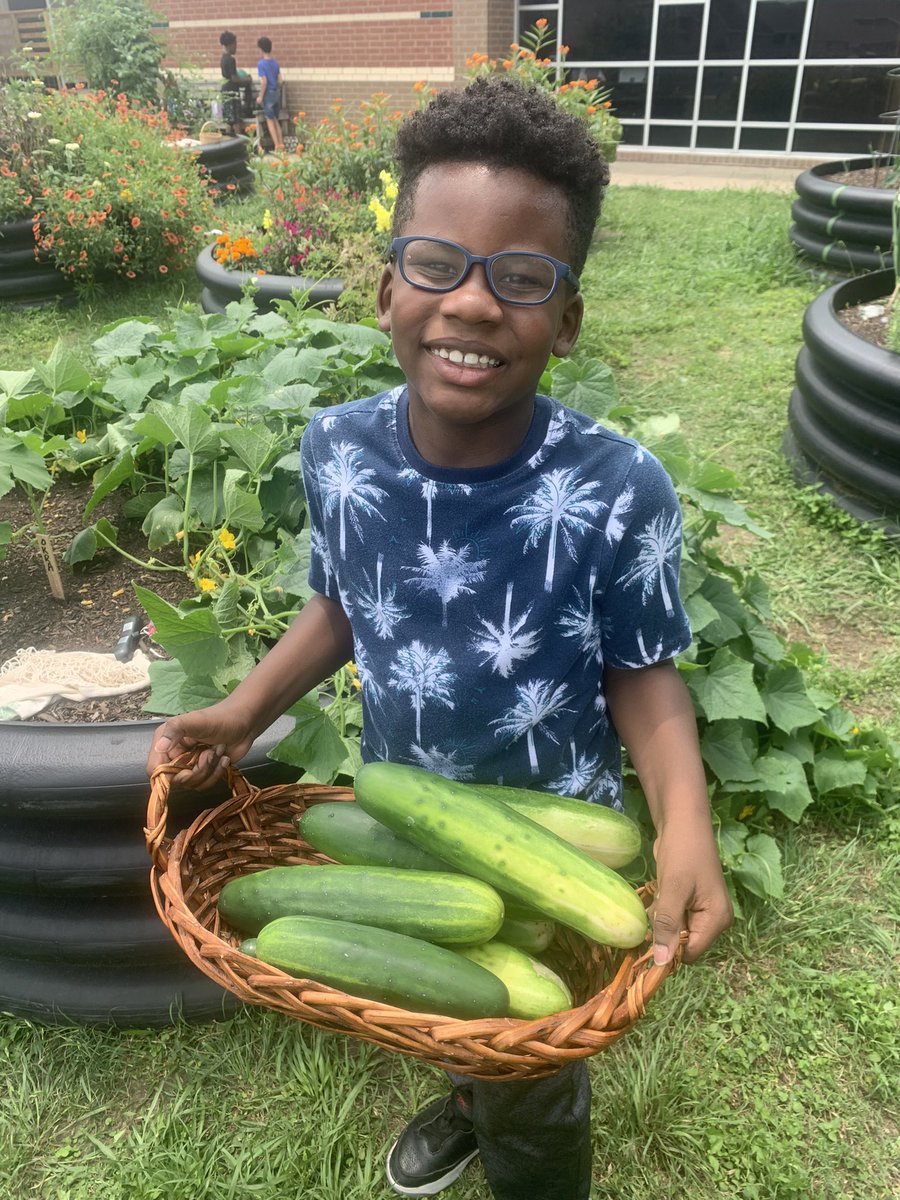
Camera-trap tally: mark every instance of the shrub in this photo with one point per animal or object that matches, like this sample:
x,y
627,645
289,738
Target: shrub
x,y
106,193
112,43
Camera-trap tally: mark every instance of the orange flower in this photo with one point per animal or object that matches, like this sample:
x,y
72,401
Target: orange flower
x,y
135,221
419,85
541,23
163,269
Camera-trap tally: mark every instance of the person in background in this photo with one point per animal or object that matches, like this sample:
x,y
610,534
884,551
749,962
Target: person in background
x,y
236,96
269,98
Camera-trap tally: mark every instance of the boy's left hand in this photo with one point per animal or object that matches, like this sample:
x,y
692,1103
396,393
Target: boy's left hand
x,y
692,893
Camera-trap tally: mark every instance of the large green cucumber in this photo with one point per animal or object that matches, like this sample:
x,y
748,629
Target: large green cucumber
x,y
493,842
534,990
604,834
439,906
381,965
346,833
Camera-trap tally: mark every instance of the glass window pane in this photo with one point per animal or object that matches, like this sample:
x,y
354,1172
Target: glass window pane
x,y
864,29
629,88
778,29
770,91
670,135
673,92
839,142
763,139
715,137
607,30
727,28
851,95
719,93
678,31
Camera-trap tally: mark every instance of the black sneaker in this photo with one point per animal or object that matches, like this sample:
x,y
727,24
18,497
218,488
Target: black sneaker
x,y
434,1148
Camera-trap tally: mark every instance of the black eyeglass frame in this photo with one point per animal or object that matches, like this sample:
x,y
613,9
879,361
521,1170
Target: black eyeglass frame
x,y
562,270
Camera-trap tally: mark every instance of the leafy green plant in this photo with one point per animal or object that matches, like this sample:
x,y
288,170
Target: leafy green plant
x,y
106,193
112,42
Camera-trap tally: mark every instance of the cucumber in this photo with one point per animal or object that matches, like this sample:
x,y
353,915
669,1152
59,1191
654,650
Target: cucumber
x,y
343,831
491,841
436,905
604,834
248,947
379,964
526,933
534,990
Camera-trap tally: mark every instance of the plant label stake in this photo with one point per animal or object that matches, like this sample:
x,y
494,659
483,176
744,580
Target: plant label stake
x,y
45,546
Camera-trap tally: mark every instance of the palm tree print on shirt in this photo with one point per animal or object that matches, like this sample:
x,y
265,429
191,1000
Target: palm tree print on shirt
x,y
345,486
441,762
538,701
425,674
429,489
447,572
560,504
577,779
505,645
659,545
379,605
576,620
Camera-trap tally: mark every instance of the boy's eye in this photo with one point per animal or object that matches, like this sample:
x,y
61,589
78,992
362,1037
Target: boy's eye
x,y
523,277
433,266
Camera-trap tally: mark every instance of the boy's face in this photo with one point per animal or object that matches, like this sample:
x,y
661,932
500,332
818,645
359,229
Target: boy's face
x,y
473,415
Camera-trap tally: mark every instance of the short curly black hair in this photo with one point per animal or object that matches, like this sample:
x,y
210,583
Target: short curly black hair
x,y
499,122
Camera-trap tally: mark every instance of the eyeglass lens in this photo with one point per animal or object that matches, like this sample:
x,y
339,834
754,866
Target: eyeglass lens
x,y
526,278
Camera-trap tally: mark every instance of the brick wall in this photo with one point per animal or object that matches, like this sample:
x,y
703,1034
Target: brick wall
x,y
346,48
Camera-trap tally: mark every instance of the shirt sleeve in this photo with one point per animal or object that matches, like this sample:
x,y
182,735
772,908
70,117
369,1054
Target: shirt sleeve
x,y
644,621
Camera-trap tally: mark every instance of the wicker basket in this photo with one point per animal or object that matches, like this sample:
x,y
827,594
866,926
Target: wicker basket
x,y
256,828
207,136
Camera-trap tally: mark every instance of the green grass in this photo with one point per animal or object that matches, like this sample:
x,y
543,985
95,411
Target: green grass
x,y
767,1072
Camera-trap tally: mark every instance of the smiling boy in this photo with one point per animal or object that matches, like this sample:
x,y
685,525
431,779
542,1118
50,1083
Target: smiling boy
x,y
503,570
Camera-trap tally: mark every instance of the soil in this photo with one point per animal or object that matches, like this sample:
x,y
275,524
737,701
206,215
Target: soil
x,y
874,177
99,595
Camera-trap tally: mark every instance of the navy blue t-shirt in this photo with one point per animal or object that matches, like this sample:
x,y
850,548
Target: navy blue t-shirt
x,y
486,601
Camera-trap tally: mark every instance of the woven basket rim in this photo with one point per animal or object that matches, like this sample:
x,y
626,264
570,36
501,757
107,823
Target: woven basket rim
x,y
493,1048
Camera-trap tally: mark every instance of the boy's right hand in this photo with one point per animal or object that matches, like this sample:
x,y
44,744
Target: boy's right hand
x,y
223,731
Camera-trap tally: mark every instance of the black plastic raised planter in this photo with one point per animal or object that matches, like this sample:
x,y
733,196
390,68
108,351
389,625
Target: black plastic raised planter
x,y
227,164
26,277
80,940
844,413
221,286
843,227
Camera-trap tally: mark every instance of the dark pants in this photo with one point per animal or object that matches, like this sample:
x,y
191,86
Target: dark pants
x,y
535,1136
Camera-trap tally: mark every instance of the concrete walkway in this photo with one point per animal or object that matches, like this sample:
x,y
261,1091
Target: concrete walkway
x,y
685,175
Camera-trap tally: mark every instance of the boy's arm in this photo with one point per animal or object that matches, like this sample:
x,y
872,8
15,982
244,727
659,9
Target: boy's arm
x,y
318,642
652,712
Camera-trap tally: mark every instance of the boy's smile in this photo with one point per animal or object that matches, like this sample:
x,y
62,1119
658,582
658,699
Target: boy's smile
x,y
472,361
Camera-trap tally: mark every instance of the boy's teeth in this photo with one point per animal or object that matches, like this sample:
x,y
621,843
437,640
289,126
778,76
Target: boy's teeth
x,y
469,359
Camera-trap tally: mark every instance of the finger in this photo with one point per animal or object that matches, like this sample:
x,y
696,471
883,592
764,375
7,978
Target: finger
x,y
668,922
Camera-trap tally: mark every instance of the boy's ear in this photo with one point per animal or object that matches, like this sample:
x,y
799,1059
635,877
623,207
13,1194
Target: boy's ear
x,y
569,326
383,298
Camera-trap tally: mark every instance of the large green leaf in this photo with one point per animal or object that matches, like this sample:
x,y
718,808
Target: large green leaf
x,y
18,464
131,383
833,771
124,339
314,744
786,699
163,522
63,371
783,780
194,637
254,447
589,386
19,383
726,688
173,692
191,424
242,508
730,748
86,543
107,479
759,867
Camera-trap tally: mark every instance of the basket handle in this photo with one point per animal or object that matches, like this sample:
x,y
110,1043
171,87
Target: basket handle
x,y
214,124
158,803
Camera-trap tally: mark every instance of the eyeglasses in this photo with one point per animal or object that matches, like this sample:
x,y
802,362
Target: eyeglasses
x,y
514,276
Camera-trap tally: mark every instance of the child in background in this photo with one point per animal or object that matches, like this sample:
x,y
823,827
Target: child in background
x,y
503,570
236,88
269,98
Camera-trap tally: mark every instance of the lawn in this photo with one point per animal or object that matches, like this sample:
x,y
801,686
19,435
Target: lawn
x,y
768,1071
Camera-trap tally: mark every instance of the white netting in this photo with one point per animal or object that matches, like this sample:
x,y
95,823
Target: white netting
x,y
32,679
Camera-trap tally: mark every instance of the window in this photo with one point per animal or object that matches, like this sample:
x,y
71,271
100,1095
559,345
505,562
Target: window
x,y
863,29
608,30
770,92
678,31
719,93
673,92
779,28
727,29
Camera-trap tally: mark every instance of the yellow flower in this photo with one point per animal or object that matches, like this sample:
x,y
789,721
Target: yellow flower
x,y
267,220
125,194
195,558
179,536
747,811
226,537
352,668
382,216
81,435
207,585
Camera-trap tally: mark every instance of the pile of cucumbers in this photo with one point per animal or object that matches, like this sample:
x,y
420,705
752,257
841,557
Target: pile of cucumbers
x,y
446,895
